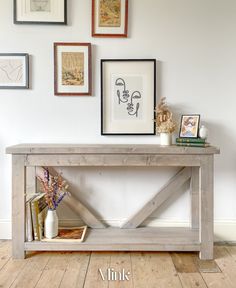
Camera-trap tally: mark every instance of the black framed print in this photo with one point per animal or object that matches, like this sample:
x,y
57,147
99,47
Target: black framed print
x,y
14,71
128,96
40,12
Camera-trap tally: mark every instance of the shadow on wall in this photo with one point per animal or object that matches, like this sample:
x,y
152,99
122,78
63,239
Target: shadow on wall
x,y
159,68
221,136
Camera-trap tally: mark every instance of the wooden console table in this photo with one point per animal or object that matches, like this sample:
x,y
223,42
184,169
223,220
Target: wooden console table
x,y
195,163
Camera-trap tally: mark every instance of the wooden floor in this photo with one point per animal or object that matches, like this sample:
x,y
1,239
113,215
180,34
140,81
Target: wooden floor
x,y
149,270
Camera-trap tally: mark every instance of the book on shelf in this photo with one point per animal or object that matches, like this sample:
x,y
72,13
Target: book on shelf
x,y
28,218
190,140
71,234
201,145
39,211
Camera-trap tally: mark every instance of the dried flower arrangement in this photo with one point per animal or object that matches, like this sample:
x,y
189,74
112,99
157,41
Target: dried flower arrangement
x,y
163,119
55,189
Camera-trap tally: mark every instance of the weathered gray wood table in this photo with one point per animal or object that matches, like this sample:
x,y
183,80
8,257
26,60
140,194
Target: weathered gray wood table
x,y
195,163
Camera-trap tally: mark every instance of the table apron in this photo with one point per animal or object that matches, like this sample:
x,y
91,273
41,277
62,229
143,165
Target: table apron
x,y
113,160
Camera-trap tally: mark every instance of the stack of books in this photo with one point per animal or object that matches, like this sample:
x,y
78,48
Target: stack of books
x,y
192,142
36,210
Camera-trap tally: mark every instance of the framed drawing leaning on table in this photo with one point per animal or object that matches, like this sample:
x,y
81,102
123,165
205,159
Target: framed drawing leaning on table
x,y
189,126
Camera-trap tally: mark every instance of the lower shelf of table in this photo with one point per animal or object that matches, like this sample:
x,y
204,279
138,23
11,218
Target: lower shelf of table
x,y
115,239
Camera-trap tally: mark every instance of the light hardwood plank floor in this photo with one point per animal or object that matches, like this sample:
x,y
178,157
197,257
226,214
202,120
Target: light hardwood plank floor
x,y
124,269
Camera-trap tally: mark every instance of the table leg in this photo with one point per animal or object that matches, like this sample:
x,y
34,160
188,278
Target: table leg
x,y
206,208
195,198
18,207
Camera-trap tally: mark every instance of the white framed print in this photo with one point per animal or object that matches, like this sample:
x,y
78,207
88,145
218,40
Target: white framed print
x,y
72,69
128,96
14,71
110,18
40,12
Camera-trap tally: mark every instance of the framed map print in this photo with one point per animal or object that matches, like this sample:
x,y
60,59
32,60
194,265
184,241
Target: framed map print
x,y
109,18
14,71
128,89
72,69
40,12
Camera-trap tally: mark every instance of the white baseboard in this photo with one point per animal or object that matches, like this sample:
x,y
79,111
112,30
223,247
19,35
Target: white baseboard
x,y
5,229
225,230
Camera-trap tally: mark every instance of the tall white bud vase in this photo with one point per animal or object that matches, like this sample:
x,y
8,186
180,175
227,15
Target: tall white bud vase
x,y
51,224
165,139
203,132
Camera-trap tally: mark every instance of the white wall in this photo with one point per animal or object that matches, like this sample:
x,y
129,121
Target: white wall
x,y
194,42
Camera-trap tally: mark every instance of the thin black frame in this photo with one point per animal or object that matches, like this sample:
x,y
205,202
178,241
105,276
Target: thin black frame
x,y
154,96
190,115
26,70
64,22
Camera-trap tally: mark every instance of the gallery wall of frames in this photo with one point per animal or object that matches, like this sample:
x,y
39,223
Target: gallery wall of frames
x,y
70,68
128,86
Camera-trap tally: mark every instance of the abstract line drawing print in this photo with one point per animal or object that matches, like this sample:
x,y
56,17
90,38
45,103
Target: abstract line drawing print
x,y
11,71
128,103
109,13
40,5
73,68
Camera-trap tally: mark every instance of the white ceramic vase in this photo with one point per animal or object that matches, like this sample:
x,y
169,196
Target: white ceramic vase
x,y
165,139
203,132
51,224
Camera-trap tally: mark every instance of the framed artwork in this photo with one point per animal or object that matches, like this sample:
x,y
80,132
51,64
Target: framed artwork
x,y
40,12
189,126
14,71
72,69
110,18
128,92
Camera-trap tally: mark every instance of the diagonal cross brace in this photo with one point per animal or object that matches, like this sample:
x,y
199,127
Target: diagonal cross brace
x,y
86,215
166,191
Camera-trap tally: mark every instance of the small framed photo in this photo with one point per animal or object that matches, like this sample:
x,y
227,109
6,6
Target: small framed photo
x,y
128,91
14,71
72,69
40,12
189,126
110,18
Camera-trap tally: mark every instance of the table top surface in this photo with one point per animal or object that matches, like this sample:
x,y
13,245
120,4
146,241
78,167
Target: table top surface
x,y
44,148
